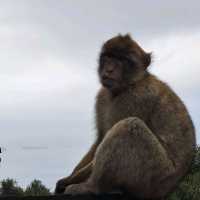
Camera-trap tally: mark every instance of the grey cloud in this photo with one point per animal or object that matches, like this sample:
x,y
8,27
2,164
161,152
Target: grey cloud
x,y
70,26
48,54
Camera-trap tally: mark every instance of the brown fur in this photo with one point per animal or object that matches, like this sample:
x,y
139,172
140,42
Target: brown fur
x,y
145,141
127,47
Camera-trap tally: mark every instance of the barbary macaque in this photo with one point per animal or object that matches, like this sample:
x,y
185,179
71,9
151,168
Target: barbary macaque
x,y
145,137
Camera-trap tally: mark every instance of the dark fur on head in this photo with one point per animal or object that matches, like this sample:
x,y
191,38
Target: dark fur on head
x,y
125,47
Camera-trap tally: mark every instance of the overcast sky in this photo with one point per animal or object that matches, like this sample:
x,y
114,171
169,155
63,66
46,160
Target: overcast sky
x,y
48,82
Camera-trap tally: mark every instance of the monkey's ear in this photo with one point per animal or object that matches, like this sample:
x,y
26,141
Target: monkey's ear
x,y
147,59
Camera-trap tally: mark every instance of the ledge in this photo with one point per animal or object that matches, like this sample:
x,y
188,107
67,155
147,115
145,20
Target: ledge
x,y
68,197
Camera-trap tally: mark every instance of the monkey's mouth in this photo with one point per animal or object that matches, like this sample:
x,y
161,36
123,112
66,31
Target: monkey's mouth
x,y
108,82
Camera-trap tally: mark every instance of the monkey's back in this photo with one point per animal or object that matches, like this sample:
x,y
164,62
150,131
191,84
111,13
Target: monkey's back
x,y
172,124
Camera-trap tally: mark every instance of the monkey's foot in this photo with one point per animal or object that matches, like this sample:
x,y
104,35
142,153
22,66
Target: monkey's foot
x,y
79,189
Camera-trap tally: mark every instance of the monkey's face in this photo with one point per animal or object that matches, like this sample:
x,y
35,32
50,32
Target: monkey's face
x,y
112,72
122,62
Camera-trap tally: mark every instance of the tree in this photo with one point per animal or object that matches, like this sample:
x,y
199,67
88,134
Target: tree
x,y
9,187
36,188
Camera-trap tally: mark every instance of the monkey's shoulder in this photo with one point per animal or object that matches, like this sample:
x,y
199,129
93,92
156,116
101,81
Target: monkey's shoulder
x,y
159,90
165,96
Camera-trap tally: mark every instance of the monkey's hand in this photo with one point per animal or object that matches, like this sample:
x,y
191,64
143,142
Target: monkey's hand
x,y
62,184
78,189
75,178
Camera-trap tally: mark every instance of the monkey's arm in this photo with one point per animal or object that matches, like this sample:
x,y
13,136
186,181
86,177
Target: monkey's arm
x,y
81,171
82,174
87,158
77,177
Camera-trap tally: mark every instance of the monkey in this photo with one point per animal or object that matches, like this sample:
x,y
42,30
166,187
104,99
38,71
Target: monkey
x,y
145,136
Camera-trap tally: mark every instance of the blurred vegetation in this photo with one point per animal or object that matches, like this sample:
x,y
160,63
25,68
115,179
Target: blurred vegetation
x,y
36,188
9,187
188,189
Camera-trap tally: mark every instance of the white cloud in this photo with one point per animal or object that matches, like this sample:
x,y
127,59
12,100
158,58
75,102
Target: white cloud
x,y
176,59
48,84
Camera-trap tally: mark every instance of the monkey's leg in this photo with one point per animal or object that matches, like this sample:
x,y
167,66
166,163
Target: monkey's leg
x,y
130,157
87,158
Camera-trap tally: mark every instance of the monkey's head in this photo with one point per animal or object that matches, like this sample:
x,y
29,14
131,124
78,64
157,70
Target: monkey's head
x,y
122,62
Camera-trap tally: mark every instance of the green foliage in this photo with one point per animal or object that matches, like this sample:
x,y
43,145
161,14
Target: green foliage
x,y
9,188
189,188
36,188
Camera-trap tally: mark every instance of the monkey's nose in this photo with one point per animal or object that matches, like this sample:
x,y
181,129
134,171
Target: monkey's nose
x,y
107,74
110,70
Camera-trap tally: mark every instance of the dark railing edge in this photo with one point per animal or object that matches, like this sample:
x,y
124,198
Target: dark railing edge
x,y
66,197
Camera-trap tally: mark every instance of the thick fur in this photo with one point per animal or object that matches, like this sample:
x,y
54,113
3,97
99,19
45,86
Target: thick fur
x,y
146,139
166,121
124,46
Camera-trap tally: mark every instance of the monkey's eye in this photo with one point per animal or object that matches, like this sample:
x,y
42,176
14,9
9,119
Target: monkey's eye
x,y
114,60
105,60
